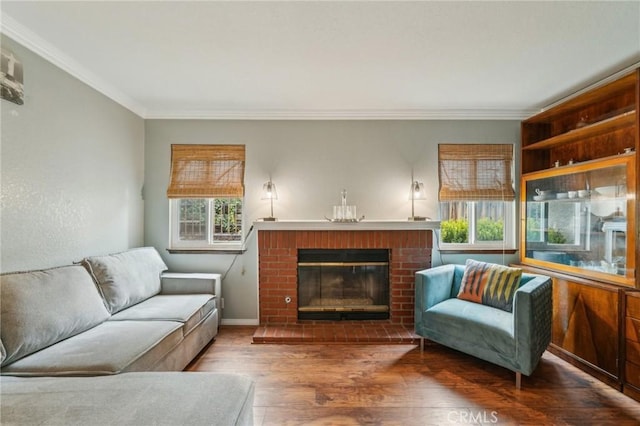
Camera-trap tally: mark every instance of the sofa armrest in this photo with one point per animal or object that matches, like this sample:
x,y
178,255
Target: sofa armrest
x,y
191,283
532,311
432,287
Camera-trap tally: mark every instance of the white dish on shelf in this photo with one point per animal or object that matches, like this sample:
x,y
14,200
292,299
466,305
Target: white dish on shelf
x,y
562,195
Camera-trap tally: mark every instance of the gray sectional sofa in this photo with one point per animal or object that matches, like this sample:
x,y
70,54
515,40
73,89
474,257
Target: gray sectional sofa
x,y
112,315
137,399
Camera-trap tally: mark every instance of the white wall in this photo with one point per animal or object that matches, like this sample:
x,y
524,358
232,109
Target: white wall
x,y
72,171
310,162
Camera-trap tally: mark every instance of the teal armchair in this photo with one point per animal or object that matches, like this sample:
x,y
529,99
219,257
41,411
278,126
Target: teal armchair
x,y
514,340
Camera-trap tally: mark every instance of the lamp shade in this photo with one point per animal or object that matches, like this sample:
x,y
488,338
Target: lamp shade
x,y
269,191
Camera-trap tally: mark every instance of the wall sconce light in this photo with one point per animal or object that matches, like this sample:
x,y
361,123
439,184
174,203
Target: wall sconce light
x,y
417,193
269,193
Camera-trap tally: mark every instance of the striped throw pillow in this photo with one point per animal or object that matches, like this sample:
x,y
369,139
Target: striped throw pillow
x,y
489,284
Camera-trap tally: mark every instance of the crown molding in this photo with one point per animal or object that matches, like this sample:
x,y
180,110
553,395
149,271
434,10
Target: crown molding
x,y
27,38
343,114
594,85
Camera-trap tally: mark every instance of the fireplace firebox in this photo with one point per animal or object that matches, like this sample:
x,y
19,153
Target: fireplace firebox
x,y
343,284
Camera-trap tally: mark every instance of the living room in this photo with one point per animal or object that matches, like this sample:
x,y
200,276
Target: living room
x,y
86,160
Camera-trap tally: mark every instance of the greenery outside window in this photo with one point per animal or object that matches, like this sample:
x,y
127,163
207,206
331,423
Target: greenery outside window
x,y
477,225
477,200
206,222
206,197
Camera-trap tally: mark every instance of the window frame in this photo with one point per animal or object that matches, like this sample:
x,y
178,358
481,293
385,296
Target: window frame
x,y
509,231
210,244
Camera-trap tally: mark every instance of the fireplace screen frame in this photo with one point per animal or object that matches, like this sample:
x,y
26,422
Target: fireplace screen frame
x,y
343,284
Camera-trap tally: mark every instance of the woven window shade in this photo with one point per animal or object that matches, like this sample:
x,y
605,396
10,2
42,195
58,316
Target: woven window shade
x,y
206,171
475,172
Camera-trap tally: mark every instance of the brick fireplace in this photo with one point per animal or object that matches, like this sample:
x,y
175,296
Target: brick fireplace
x,y
409,246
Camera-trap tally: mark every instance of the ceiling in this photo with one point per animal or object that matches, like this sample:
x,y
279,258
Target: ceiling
x,y
338,60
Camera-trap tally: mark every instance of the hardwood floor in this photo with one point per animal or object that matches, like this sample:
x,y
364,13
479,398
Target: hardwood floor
x,y
351,384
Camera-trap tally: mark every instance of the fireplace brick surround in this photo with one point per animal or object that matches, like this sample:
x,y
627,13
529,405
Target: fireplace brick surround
x,y
410,251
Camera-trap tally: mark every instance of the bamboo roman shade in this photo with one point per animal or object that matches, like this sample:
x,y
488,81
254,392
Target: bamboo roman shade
x,y
475,172
206,171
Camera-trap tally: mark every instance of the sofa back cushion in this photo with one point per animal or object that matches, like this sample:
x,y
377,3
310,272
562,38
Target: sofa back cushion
x,y
127,278
490,284
40,308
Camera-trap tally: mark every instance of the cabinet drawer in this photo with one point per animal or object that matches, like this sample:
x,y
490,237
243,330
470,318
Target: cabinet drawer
x,y
632,329
633,306
632,374
633,352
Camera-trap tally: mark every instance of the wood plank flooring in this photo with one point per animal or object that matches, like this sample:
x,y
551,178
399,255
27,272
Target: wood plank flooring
x,y
352,384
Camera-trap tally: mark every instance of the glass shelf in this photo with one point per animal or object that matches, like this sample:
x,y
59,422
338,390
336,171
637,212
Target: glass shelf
x,y
578,220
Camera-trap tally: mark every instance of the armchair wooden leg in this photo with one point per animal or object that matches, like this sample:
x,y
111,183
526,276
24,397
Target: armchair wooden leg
x,y
422,344
518,379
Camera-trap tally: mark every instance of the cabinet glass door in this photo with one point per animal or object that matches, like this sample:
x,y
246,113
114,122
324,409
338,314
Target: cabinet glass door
x,y
577,218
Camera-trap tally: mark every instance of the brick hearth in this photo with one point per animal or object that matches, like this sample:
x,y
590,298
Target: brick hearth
x,y
362,332
410,251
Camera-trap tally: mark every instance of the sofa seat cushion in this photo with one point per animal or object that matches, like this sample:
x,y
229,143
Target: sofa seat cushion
x,y
461,325
167,398
189,309
40,308
127,278
109,348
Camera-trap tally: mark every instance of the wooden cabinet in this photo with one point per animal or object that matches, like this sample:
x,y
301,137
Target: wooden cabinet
x,y
579,186
631,368
586,325
571,154
597,123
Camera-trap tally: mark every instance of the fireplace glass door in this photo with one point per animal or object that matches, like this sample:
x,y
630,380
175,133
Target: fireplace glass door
x,y
343,284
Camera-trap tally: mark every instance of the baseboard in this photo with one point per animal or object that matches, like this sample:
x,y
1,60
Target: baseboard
x,y
247,321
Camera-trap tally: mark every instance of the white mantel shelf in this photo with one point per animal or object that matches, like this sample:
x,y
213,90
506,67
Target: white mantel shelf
x,y
364,225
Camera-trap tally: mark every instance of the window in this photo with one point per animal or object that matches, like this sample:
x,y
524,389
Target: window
x,y
206,196
477,225
477,200
206,222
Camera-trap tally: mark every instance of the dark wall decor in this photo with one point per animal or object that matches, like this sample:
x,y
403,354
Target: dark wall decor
x,y
11,77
